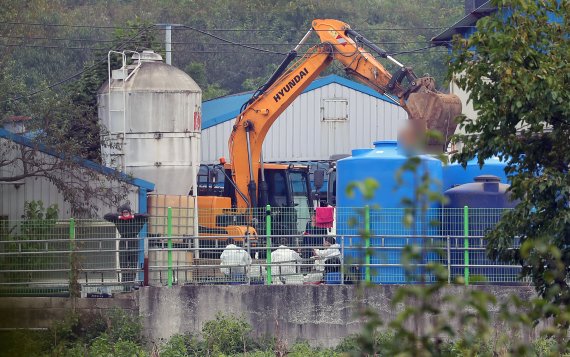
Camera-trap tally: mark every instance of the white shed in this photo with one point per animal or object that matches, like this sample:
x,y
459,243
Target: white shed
x,y
14,194
332,116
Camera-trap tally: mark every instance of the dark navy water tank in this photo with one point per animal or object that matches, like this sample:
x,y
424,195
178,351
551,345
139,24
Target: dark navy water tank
x,y
382,164
486,192
454,174
486,200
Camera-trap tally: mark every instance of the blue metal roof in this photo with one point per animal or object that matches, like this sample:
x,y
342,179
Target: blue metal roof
x,y
466,26
149,186
222,109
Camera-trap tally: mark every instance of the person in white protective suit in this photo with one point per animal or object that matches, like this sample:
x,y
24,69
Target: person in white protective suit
x,y
284,261
235,261
329,256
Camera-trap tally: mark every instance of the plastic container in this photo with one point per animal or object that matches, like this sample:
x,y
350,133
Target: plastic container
x,y
454,174
333,278
383,164
486,200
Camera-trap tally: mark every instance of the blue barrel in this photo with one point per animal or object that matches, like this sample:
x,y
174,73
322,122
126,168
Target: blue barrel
x,y
454,174
382,164
487,199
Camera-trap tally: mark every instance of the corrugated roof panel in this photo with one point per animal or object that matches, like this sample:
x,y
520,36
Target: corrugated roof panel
x,y
465,26
85,163
300,134
218,110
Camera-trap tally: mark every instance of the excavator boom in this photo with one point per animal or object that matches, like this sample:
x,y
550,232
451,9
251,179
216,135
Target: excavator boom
x,y
426,107
254,122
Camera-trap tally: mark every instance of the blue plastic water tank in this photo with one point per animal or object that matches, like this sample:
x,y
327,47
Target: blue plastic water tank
x,y
333,278
454,174
382,164
486,200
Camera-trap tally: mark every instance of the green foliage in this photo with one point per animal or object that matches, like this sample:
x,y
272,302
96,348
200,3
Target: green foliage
x,y
301,349
213,91
226,334
176,346
366,188
273,26
104,346
115,333
198,73
124,326
138,35
66,330
183,345
516,69
38,223
368,342
22,343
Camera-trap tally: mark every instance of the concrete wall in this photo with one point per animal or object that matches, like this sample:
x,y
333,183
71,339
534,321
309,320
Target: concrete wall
x,y
42,312
323,315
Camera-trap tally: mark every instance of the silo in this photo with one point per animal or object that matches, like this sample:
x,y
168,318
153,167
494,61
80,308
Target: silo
x,y
152,114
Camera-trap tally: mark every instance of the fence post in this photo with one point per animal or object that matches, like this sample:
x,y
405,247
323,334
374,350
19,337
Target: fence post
x,y
145,264
247,243
169,234
73,273
342,272
367,242
268,242
448,261
466,244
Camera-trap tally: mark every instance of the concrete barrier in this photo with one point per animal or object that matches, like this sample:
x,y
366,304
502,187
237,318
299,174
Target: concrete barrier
x,y
321,314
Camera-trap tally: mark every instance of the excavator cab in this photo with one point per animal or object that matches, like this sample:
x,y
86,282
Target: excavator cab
x,y
288,194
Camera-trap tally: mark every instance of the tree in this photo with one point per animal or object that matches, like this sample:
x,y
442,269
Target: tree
x,y
44,157
139,35
65,124
209,90
517,72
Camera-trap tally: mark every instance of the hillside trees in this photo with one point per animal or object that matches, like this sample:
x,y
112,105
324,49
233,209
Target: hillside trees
x,y
137,36
51,53
276,27
47,45
517,72
63,121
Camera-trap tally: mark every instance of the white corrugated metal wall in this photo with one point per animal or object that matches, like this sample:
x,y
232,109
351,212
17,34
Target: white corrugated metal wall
x,y
300,134
13,196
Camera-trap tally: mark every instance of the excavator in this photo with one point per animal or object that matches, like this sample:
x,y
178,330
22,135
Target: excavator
x,y
250,184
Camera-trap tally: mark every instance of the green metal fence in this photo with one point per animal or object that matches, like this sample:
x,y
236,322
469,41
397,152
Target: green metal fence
x,y
280,247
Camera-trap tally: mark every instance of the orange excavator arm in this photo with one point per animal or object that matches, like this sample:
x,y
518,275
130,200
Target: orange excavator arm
x,y
260,113
427,108
434,110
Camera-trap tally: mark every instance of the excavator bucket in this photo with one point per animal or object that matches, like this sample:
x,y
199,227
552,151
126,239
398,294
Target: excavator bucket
x,y
435,111
432,110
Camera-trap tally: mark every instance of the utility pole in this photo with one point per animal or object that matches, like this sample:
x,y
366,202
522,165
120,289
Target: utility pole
x,y
168,43
168,40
